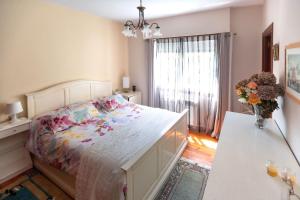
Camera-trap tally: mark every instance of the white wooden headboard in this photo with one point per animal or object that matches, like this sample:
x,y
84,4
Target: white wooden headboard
x,y
64,94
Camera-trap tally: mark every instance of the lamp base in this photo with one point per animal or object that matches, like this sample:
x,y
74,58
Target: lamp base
x,y
14,118
126,90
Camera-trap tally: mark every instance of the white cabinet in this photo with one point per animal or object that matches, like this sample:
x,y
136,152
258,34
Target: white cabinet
x,y
134,97
14,158
238,171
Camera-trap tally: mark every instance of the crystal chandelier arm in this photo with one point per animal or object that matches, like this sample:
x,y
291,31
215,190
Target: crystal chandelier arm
x,y
130,24
154,24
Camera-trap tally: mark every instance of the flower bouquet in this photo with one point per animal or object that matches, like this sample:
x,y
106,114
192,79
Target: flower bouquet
x,y
260,92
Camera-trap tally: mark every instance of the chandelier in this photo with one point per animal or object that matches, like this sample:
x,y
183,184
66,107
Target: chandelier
x,y
148,30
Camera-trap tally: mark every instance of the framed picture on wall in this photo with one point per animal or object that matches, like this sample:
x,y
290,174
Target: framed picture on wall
x,y
276,52
292,71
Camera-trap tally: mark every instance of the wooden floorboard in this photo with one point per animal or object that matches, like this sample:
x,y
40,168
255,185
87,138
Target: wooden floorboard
x,y
201,149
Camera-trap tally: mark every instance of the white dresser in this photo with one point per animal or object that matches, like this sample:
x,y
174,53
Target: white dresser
x,y
238,171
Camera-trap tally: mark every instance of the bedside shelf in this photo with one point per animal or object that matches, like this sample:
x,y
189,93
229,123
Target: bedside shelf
x,y
14,157
134,97
7,128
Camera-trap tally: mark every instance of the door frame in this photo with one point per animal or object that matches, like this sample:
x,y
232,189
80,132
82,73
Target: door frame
x,y
268,33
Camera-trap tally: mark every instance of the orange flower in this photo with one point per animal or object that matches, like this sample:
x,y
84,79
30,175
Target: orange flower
x,y
252,85
239,92
253,99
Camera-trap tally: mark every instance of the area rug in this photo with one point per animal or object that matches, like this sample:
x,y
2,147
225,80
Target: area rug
x,y
187,181
18,193
26,189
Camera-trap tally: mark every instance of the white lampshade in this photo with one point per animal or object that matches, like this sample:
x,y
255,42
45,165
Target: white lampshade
x,y
126,32
14,108
125,82
157,32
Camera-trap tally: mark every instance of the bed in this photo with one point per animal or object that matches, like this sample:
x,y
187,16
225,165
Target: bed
x,y
144,170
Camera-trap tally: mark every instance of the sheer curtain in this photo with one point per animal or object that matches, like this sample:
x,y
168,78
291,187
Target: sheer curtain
x,y
185,72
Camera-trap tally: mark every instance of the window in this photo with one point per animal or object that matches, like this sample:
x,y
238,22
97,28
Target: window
x,y
190,73
185,70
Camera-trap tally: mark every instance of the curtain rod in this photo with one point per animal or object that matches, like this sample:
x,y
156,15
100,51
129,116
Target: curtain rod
x,y
229,35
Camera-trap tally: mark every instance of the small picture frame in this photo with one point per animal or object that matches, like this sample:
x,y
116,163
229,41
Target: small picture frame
x,y
276,52
292,71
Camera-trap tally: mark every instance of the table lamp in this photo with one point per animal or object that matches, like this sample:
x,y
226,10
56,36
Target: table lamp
x,y
126,83
13,109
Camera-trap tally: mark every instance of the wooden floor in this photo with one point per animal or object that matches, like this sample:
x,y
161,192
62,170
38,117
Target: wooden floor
x,y
39,180
201,149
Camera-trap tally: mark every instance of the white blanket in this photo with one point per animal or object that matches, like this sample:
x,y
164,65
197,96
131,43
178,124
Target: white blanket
x,y
100,176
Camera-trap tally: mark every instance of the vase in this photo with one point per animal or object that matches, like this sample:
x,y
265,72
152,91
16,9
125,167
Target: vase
x,y
259,118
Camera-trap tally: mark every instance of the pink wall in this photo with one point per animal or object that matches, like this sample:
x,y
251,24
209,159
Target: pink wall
x,y
246,52
285,15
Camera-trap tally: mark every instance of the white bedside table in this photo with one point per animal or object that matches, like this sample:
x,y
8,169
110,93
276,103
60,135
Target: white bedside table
x,y
134,97
14,158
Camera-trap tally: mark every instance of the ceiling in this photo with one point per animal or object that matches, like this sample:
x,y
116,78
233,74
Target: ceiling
x,y
126,9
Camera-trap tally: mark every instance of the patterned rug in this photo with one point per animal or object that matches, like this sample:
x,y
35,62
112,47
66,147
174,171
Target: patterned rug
x,y
187,181
26,189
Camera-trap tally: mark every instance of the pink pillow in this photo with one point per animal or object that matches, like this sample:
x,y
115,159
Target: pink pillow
x,y
57,120
68,116
110,103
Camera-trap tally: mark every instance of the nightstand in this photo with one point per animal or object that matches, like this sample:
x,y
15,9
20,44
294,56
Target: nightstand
x,y
134,97
14,158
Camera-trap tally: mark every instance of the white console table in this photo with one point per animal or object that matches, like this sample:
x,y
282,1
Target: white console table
x,y
238,171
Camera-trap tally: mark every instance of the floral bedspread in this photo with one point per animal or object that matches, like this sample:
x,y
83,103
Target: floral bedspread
x,y
100,175
63,149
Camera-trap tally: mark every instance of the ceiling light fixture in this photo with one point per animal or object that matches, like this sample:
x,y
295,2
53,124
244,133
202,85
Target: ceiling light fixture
x,y
130,29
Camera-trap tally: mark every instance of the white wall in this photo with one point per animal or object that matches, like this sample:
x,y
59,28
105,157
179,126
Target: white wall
x,y
246,50
285,15
193,24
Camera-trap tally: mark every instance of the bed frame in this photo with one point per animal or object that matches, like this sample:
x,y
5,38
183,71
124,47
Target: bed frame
x,y
145,172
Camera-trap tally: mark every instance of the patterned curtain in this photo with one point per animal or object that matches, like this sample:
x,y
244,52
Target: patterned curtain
x,y
185,73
